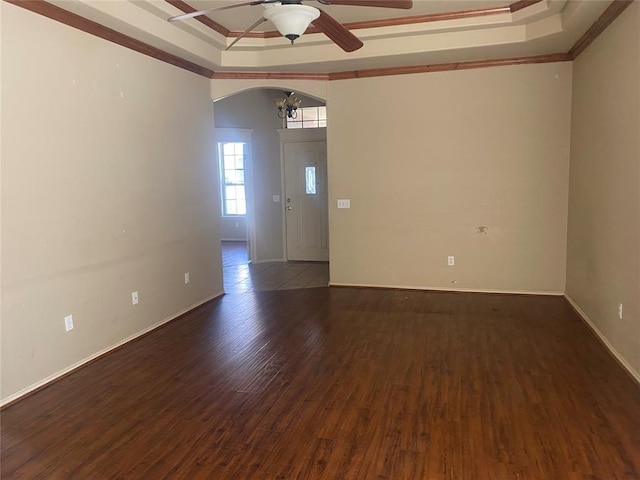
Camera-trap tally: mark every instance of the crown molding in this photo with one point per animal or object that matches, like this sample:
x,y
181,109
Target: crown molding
x,y
56,13
76,21
445,67
383,72
269,76
609,15
514,7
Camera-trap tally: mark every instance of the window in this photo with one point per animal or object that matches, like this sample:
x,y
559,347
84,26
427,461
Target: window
x,y
232,162
310,180
309,117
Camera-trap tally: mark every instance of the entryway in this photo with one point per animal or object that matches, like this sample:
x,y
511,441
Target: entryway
x,y
240,276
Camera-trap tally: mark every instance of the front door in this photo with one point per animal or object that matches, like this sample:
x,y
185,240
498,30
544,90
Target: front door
x,y
306,201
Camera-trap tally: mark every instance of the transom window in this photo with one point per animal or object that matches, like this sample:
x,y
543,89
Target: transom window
x,y
232,165
309,117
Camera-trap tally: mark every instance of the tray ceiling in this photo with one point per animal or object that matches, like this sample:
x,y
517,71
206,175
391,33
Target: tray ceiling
x,y
432,32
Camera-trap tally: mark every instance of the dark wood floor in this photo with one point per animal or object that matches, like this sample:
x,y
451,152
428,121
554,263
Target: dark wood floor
x,y
341,384
234,253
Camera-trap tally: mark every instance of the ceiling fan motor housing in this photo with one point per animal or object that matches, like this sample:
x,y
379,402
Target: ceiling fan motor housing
x,y
291,20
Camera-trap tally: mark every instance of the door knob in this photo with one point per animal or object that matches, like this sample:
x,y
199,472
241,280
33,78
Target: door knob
x,y
289,207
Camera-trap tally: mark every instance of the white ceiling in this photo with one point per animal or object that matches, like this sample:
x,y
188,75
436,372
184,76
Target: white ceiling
x,y
546,27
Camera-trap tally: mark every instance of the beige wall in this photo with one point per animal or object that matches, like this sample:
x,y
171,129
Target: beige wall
x,y
233,228
603,263
428,159
107,187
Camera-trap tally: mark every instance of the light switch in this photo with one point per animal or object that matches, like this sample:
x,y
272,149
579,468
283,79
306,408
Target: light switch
x,y
276,199
344,203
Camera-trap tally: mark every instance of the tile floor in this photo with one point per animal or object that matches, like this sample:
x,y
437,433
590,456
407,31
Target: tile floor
x,y
240,277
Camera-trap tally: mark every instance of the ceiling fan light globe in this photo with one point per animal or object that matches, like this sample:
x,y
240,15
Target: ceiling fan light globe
x,y
291,20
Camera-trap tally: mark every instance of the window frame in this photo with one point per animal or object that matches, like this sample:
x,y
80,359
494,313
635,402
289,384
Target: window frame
x,y
233,135
224,184
222,158
321,111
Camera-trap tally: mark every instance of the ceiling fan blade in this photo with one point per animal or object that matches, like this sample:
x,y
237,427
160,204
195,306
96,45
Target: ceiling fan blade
x,y
185,16
406,4
337,32
243,34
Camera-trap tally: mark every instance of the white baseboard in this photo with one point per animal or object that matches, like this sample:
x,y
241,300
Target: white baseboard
x,y
603,339
442,289
53,377
268,260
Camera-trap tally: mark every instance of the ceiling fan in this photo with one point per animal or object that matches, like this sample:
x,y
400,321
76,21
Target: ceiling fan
x,y
292,18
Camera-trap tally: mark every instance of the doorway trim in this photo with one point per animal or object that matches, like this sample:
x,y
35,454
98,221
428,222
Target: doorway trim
x,y
296,135
240,135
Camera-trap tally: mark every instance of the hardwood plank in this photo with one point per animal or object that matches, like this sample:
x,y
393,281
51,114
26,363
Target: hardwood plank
x,y
339,383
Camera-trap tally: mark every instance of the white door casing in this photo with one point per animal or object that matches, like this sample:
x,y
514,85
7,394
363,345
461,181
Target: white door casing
x,y
304,153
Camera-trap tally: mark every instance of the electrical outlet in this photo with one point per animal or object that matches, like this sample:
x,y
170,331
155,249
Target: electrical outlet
x,y
186,277
451,260
620,311
134,298
68,323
